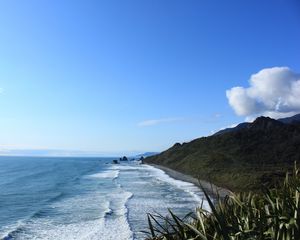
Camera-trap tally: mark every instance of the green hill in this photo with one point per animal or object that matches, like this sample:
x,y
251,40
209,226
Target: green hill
x,y
258,153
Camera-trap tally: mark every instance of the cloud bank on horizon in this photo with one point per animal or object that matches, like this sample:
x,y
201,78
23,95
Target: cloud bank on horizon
x,y
273,92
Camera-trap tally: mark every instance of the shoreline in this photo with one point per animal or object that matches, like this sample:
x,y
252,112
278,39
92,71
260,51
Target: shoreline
x,y
210,188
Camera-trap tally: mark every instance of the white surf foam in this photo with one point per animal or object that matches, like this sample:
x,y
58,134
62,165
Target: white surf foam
x,y
116,226
127,167
89,230
103,214
7,230
94,216
159,174
111,223
190,188
106,174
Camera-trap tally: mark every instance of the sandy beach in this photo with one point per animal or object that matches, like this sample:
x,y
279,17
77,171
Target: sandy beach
x,y
209,187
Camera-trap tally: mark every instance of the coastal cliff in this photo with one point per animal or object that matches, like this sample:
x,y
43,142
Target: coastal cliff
x,y
241,158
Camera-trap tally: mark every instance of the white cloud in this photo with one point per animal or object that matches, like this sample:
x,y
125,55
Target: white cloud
x,y
273,92
153,122
217,115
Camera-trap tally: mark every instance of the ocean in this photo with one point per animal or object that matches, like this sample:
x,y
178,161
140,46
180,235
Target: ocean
x,y
85,198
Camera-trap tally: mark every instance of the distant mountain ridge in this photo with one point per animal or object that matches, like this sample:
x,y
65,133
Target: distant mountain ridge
x,y
288,120
240,158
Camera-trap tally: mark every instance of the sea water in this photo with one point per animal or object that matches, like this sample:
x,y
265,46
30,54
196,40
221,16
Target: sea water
x,y
85,198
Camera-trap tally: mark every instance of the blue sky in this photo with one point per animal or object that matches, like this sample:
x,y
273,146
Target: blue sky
x,y
128,76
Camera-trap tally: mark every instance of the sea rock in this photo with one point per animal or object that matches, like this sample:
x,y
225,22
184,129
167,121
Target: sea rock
x,y
124,158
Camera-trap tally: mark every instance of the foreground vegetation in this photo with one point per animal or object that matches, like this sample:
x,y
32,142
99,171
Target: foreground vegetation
x,y
273,214
239,160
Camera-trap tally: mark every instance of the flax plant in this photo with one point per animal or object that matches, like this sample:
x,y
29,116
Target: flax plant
x,y
273,214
